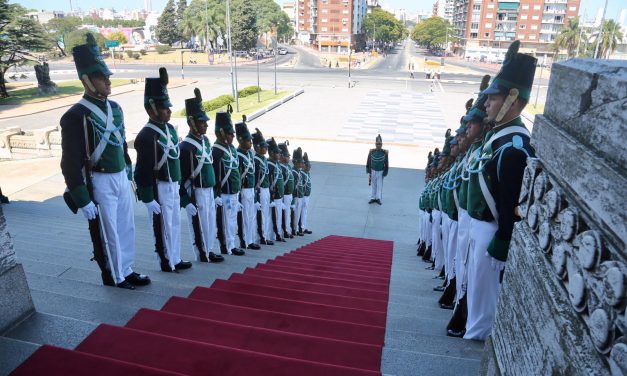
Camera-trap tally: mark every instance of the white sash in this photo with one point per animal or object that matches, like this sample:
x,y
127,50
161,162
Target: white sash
x,y
276,176
109,128
169,145
248,163
487,195
204,157
228,173
265,170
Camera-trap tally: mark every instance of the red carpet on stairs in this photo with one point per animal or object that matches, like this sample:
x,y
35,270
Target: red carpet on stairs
x,y
318,310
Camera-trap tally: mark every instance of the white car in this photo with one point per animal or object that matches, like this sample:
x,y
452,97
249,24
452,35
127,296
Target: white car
x,y
282,51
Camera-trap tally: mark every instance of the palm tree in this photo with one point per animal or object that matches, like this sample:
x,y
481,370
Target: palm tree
x,y
569,37
205,20
611,36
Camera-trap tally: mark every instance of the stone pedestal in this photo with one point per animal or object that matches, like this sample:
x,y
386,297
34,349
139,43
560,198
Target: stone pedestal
x,y
562,306
15,299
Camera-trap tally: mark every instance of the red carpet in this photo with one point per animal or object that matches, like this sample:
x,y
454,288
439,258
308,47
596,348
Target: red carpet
x,y
318,310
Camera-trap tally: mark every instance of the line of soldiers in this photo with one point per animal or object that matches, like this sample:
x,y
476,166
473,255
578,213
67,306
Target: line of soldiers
x,y
468,207
235,194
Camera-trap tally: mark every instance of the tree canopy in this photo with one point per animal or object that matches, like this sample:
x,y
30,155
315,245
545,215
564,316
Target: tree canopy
x,y
382,26
21,37
432,32
167,30
59,28
244,31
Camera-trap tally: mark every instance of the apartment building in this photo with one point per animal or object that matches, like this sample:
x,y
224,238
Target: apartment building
x,y
495,24
331,25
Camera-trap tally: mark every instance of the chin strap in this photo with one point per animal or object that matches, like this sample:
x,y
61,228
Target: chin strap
x,y
85,79
507,104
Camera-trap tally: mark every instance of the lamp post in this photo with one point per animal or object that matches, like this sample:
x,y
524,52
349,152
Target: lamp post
x,y
275,57
182,66
350,54
258,89
229,46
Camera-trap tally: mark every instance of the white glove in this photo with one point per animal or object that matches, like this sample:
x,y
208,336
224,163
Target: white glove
x,y
257,206
90,211
283,206
153,207
218,201
239,206
497,265
272,204
191,209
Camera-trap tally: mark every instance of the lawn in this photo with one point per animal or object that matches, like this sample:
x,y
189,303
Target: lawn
x,y
247,105
66,88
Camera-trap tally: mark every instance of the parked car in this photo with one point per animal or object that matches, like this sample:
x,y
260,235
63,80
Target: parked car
x,y
282,51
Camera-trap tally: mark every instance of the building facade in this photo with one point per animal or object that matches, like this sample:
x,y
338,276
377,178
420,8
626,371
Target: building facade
x,y
490,26
330,25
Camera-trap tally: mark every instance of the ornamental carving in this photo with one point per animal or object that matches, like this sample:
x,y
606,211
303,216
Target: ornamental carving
x,y
593,276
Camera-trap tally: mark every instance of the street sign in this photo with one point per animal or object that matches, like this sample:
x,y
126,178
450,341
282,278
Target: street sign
x,y
112,43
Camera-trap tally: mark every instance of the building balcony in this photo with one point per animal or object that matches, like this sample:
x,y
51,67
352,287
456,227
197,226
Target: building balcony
x,y
555,1
555,11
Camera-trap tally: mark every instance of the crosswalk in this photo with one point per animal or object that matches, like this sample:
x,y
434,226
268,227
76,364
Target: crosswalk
x,y
401,117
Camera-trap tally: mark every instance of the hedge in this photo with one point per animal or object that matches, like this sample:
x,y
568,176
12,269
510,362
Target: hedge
x,y
250,90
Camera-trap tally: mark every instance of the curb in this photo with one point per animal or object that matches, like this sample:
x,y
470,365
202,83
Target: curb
x,y
274,105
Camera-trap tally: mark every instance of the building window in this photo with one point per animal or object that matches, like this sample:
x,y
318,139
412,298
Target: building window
x,y
521,36
345,11
345,30
532,36
476,7
488,25
324,20
487,35
325,11
323,29
473,35
536,7
525,6
489,15
534,27
535,17
474,26
490,6
572,9
522,26
523,16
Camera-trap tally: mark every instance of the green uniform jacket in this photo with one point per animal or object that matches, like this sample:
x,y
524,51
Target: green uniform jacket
x,y
247,167
226,164
277,189
288,177
377,161
148,144
114,159
190,156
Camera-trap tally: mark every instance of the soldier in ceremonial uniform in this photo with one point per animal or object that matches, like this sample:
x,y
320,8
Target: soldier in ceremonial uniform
x,y
198,181
262,189
247,217
277,189
158,173
289,184
304,217
494,187
377,167
228,183
299,190
97,169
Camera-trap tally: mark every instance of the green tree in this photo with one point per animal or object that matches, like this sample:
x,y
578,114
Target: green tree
x,y
611,37
244,32
20,37
167,30
205,20
77,37
432,32
569,37
180,14
119,36
58,28
381,26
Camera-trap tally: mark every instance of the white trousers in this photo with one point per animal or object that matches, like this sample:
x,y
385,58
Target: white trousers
x,y
230,207
249,214
266,214
112,192
428,228
420,226
304,216
170,203
446,223
298,211
461,257
278,213
376,184
287,201
207,215
483,282
451,253
436,239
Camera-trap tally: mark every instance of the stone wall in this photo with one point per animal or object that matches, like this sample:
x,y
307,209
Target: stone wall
x,y
562,306
15,299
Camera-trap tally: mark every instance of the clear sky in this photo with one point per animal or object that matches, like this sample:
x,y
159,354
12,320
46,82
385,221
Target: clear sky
x,y
590,7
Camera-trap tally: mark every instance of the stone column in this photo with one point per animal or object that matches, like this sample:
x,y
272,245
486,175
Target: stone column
x,y
562,305
15,299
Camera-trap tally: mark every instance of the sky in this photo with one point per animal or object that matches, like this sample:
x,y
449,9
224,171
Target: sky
x,y
590,7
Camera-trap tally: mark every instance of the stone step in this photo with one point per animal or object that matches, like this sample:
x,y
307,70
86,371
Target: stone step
x,y
51,329
13,352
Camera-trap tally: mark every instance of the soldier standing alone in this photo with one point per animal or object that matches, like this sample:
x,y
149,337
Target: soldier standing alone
x,y
377,167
